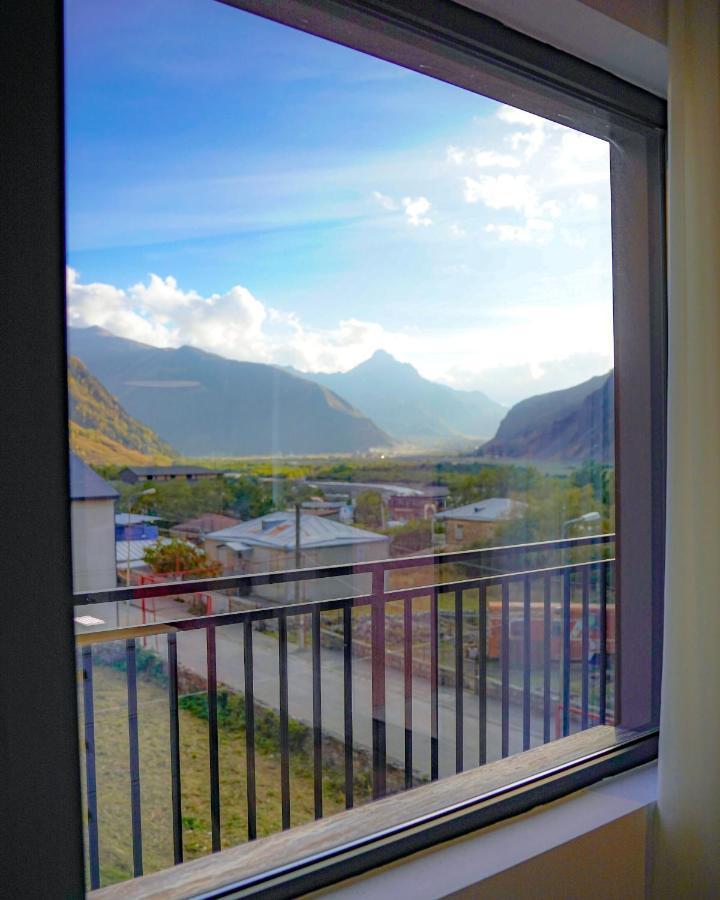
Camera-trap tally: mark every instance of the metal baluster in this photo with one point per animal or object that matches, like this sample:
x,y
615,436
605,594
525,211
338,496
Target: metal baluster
x,y
175,783
603,642
547,655
505,669
348,705
284,722
213,739
585,647
482,675
408,685
317,714
249,729
527,660
459,681
90,777
434,647
566,655
379,750
135,808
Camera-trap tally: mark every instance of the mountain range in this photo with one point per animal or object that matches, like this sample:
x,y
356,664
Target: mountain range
x,y
101,431
572,425
409,407
206,405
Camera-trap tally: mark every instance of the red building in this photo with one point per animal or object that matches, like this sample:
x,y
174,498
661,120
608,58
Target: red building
x,y
417,506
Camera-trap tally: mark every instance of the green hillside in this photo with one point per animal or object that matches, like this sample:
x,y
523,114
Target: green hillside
x,y
101,432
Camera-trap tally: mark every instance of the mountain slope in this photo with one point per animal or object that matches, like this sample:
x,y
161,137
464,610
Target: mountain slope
x,y
410,407
100,429
570,425
206,405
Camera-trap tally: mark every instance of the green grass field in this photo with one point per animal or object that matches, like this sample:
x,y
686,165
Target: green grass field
x,y
113,780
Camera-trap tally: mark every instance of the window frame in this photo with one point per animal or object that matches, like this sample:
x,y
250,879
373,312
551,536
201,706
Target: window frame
x,y
42,811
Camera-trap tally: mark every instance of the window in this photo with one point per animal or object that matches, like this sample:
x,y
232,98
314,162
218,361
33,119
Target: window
x,y
633,129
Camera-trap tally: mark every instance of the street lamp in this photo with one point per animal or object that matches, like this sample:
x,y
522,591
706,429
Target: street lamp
x,y
586,518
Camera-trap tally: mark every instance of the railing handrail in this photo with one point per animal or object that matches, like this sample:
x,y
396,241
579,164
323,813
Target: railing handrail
x,y
226,582
296,609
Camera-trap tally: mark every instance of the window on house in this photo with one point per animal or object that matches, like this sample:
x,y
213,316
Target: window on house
x,y
342,275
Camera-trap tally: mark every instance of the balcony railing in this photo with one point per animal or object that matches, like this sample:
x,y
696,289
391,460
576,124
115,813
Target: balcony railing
x,y
525,632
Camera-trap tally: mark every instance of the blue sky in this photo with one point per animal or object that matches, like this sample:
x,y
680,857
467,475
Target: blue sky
x,y
266,195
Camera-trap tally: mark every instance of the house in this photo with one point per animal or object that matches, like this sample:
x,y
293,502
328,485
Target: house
x,y
92,516
425,505
270,544
196,528
337,510
135,527
134,474
478,521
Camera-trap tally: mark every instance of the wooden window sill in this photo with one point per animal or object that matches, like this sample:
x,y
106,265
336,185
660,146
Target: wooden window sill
x,y
377,821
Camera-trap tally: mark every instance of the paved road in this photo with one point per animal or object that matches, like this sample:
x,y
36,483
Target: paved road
x,y
192,654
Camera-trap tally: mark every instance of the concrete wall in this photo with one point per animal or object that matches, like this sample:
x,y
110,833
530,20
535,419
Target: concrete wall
x,y
605,864
93,544
469,533
262,559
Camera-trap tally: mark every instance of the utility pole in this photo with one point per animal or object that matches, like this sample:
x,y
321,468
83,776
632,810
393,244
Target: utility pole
x,y
298,563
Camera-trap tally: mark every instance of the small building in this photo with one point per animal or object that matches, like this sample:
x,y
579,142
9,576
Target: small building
x,y
92,519
337,510
135,527
270,544
134,474
405,507
478,521
196,529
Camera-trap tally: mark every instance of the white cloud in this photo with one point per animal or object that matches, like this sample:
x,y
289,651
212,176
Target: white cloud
x,y
455,156
457,231
520,117
385,201
486,159
238,325
416,209
587,201
534,231
501,192
235,324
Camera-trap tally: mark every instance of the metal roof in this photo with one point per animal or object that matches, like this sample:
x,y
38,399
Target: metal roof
x,y
85,484
277,530
132,550
494,509
136,549
207,522
124,518
171,470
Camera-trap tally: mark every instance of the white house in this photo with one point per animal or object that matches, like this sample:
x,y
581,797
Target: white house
x,y
269,544
92,516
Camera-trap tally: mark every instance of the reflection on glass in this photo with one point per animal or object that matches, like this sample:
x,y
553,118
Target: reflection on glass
x,y
324,314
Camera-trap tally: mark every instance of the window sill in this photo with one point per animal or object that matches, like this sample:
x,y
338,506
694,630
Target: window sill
x,y
321,853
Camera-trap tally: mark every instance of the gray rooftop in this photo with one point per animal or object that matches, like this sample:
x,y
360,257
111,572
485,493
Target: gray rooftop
x,y
277,530
171,470
494,509
85,484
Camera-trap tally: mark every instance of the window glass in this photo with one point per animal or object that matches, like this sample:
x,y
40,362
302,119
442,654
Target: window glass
x,y
323,311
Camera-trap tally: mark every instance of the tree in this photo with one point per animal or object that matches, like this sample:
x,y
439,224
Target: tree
x,y
369,509
175,556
